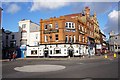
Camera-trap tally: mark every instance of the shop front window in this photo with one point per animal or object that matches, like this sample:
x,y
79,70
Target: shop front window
x,y
57,51
33,52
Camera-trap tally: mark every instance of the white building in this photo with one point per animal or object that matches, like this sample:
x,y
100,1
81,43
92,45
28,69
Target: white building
x,y
30,37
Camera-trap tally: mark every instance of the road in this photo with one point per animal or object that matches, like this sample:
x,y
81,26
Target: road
x,y
74,68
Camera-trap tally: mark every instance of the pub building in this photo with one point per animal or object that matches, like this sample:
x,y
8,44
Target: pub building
x,y
68,35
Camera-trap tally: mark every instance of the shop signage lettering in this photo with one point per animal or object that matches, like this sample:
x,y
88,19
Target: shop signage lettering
x,y
52,31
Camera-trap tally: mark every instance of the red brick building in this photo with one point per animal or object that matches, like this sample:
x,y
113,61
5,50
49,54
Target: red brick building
x,y
73,32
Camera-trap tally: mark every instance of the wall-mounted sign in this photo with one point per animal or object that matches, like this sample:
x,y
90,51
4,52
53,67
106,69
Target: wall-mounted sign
x,y
50,31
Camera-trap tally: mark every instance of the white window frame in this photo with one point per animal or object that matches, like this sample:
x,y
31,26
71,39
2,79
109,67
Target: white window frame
x,y
45,25
46,38
70,39
66,37
56,37
82,28
69,25
50,25
79,38
79,27
83,39
56,24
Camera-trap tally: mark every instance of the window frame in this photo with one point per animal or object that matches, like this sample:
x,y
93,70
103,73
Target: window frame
x,y
45,26
56,37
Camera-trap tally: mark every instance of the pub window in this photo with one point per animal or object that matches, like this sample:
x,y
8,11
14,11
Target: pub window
x,y
56,25
66,25
69,25
33,52
79,27
46,38
50,25
50,51
77,51
56,37
118,47
83,39
66,39
72,25
115,47
45,26
57,51
64,45
85,30
50,37
82,29
79,38
70,39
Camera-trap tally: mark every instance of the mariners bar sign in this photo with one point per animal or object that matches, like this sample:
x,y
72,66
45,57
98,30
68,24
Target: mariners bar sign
x,y
50,31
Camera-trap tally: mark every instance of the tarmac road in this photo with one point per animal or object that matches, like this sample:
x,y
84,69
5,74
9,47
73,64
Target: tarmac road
x,y
74,68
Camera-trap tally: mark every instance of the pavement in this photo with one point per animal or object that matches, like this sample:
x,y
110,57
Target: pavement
x,y
109,56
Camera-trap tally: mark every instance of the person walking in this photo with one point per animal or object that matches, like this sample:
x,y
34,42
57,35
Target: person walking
x,y
14,56
9,56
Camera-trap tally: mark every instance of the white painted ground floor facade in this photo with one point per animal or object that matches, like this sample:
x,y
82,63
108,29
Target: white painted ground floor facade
x,y
59,50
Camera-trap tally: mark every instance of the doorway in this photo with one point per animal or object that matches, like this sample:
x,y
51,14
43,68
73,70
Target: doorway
x,y
46,53
70,52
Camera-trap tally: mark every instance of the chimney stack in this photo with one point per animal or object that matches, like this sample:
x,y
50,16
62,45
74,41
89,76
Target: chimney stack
x,y
87,11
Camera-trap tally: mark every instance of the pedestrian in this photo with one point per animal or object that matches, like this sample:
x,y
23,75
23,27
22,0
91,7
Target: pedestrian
x,y
9,56
14,56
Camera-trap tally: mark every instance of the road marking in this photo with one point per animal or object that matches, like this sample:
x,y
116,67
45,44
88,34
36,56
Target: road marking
x,y
39,68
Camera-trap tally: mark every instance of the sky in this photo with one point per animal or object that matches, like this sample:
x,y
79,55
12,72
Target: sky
x,y
13,12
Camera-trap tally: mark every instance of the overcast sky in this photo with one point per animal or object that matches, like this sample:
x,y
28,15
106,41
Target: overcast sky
x,y
13,12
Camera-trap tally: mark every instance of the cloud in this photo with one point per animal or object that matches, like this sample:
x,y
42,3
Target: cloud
x,y
48,4
13,8
112,23
98,7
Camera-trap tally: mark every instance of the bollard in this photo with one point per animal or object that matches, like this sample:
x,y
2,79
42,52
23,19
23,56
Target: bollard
x,y
115,55
105,56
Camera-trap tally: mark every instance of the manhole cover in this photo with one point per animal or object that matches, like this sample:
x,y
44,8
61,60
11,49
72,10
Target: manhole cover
x,y
39,68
